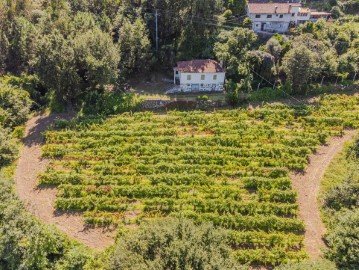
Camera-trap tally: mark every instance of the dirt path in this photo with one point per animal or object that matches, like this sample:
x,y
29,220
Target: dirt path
x,y
40,202
308,184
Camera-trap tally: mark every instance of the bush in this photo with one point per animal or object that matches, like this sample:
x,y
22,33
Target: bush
x,y
27,244
173,244
16,103
346,195
109,103
8,147
343,240
267,94
32,85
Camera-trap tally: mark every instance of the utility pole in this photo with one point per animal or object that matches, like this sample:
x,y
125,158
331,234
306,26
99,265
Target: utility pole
x,y
156,30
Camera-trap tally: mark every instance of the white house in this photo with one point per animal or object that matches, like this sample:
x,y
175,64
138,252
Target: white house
x,y
199,76
279,17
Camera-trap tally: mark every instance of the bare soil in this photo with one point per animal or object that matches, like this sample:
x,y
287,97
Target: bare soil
x,y
40,201
308,185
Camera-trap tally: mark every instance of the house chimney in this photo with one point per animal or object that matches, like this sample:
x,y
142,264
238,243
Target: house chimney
x,y
275,9
290,8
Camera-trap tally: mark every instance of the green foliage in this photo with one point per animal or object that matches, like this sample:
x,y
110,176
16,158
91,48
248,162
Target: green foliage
x,y
343,240
15,105
31,84
89,61
340,197
267,94
55,65
300,66
26,244
134,46
8,147
308,265
232,48
173,244
110,103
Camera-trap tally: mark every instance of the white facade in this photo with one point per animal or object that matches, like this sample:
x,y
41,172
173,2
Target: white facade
x,y
277,17
271,22
200,82
199,76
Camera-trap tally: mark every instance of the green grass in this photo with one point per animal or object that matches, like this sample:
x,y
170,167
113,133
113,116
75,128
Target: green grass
x,y
337,170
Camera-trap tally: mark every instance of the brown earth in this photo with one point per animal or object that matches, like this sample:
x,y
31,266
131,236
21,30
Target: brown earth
x,y
308,185
40,201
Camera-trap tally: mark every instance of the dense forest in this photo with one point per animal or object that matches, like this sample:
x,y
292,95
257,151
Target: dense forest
x,y
81,54
75,50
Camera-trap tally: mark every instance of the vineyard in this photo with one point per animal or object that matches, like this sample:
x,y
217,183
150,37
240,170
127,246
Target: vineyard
x,y
229,167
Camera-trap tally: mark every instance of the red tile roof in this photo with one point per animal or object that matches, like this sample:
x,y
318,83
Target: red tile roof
x,y
199,66
270,8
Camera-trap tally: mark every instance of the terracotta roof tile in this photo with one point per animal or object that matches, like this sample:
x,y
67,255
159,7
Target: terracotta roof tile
x,y
199,66
270,8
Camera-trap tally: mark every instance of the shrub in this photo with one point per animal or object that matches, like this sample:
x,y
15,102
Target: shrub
x,y
343,240
27,244
16,103
8,147
173,244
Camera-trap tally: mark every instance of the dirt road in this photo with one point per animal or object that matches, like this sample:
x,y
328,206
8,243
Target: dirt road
x,y
40,202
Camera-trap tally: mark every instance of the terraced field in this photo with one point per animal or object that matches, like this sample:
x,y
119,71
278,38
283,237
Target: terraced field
x,y
227,167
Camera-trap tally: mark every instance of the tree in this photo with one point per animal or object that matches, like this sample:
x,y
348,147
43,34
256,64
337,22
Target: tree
x,y
263,63
55,66
173,244
27,244
343,240
336,12
232,49
324,55
238,7
342,42
300,66
349,62
21,49
274,48
15,106
96,59
8,147
71,67
134,46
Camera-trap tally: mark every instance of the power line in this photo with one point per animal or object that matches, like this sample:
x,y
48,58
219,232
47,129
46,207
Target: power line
x,y
274,86
194,17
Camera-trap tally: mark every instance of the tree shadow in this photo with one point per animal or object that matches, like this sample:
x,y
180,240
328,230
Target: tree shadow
x,y
34,134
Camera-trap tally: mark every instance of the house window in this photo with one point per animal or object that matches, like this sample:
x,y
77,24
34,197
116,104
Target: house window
x,y
269,16
189,77
281,16
215,77
203,77
258,16
177,72
293,14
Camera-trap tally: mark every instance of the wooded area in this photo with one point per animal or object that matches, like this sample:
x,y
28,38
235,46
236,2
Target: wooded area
x,y
76,48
